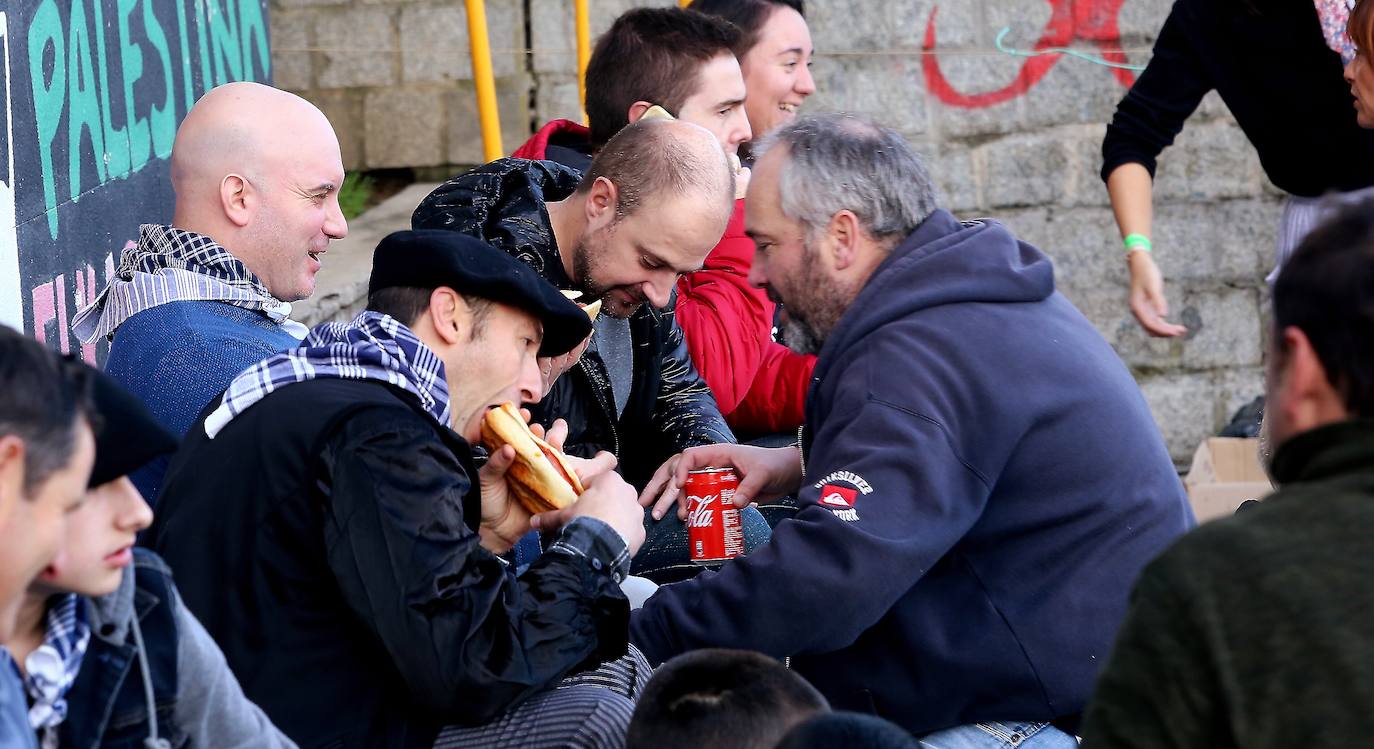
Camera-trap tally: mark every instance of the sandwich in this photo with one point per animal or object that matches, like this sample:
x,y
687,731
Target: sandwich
x,y
592,309
541,478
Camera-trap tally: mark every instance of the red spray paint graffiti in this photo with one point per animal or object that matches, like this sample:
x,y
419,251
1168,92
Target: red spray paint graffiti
x,y
1070,20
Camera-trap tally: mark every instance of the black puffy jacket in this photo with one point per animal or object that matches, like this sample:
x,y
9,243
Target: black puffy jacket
x,y
670,407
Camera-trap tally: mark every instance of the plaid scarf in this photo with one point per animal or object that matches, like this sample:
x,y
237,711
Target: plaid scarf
x,y
372,346
53,666
171,265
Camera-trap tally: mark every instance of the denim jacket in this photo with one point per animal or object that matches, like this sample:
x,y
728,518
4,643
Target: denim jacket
x,y
153,679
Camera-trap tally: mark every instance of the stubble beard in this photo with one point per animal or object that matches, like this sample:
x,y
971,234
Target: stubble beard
x,y
584,280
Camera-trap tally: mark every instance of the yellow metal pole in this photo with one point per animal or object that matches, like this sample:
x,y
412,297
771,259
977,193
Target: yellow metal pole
x,y
582,11
683,3
480,48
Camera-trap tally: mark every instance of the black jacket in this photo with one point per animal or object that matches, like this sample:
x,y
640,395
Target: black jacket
x,y
326,538
1271,66
670,407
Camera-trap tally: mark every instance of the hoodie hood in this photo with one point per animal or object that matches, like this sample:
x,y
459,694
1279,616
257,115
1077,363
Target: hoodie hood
x,y
945,261
567,142
502,204
111,614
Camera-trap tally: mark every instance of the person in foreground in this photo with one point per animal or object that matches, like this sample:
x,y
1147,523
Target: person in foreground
x,y
979,477
109,655
1253,631
721,698
325,520
46,453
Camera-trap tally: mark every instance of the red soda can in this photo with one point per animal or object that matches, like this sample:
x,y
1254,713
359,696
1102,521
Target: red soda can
x,y
713,525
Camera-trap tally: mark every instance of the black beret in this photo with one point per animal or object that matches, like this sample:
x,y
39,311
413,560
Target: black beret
x,y
128,436
430,258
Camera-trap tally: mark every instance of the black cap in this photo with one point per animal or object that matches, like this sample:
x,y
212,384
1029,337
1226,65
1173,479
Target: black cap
x,y
430,258
128,436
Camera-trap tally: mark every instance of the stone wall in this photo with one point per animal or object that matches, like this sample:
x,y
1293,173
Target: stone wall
x,y
395,77
1006,137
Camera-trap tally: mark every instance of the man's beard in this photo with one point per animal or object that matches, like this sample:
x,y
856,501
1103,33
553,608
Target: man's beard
x,y
812,313
584,280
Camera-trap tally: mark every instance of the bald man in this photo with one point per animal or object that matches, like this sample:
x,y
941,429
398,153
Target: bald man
x,y
256,173
653,203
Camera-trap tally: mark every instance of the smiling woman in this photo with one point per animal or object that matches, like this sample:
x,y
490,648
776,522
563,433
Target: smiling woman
x,y
774,53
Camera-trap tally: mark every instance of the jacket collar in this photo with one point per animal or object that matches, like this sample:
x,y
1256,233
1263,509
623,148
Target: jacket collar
x,y
111,614
1331,450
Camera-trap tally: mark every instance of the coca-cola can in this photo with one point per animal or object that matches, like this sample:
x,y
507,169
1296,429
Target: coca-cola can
x,y
713,525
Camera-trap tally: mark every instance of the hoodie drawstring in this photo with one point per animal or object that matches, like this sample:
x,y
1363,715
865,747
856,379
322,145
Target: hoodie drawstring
x,y
152,742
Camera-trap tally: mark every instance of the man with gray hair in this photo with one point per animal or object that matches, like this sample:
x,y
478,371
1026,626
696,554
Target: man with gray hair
x,y
979,477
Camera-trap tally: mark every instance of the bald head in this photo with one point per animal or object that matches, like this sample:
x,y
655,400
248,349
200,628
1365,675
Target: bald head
x,y
242,128
258,169
656,160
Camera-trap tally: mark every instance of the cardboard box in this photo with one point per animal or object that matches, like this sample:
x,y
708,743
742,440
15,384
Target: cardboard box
x,y
1225,472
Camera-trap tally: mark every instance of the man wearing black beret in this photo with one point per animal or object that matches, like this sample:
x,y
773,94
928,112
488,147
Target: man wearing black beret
x,y
326,521
649,208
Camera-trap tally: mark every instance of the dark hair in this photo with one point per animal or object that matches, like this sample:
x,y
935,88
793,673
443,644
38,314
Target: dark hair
x,y
645,160
848,730
1326,290
43,400
718,697
653,55
407,303
747,15
1360,28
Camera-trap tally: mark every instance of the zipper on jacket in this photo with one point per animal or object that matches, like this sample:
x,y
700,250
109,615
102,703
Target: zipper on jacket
x,y
599,387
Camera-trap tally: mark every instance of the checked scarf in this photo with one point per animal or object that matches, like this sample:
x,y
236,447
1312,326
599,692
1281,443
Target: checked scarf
x,y
53,666
372,346
171,265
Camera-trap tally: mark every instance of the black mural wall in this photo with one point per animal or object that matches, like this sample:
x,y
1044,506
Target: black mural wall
x,y
93,91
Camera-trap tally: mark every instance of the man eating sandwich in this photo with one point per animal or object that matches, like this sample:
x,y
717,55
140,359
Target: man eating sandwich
x,y
325,516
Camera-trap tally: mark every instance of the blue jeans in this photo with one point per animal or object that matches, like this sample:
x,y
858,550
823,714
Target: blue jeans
x,y
999,735
665,556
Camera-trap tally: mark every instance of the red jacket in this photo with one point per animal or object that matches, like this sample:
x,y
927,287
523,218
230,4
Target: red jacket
x,y
759,385
556,130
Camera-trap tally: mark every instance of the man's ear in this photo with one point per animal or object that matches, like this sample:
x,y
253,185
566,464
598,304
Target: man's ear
x,y
637,110
449,314
844,233
601,201
1306,394
12,452
238,199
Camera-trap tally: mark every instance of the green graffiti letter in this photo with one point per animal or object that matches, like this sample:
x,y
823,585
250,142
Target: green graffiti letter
x,y
252,27
163,118
85,102
116,138
185,54
206,82
224,37
131,62
47,100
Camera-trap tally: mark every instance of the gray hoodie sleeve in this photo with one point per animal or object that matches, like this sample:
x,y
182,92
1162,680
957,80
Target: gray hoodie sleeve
x,y
210,706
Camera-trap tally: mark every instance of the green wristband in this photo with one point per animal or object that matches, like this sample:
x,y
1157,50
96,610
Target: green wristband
x,y
1135,242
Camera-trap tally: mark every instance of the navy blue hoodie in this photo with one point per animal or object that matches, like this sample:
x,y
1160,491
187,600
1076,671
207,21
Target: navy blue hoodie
x,y
983,483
